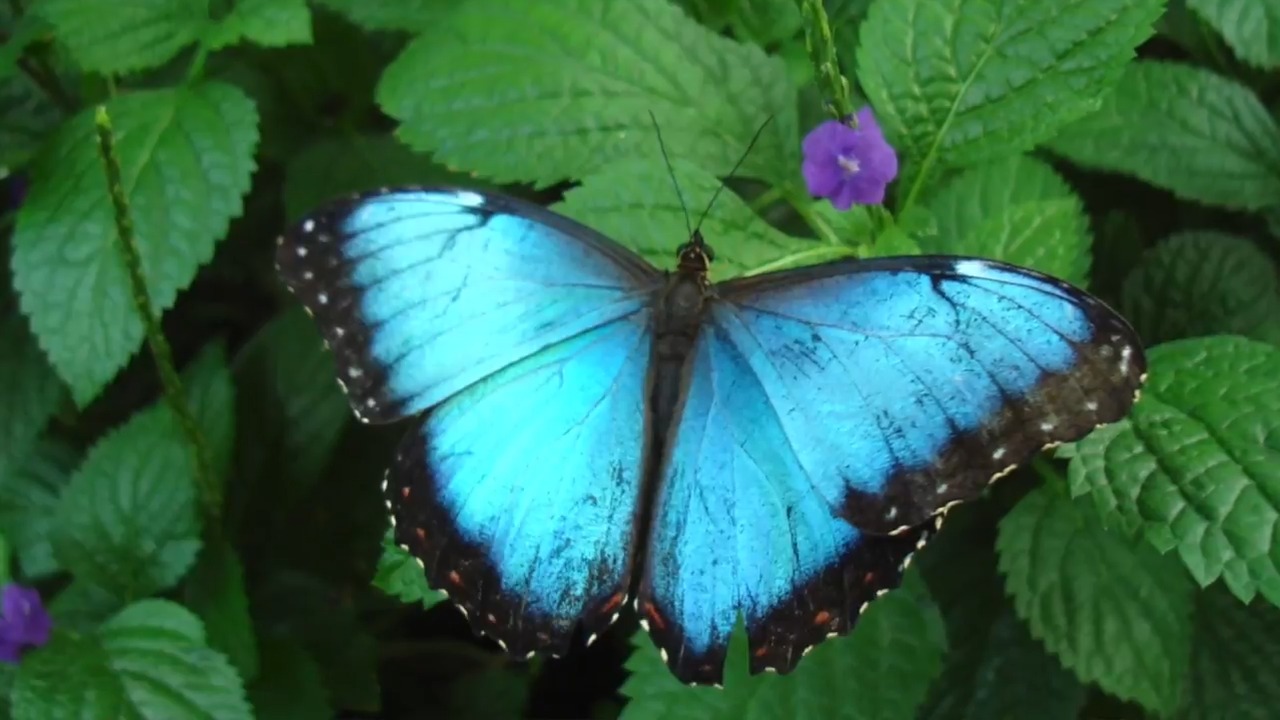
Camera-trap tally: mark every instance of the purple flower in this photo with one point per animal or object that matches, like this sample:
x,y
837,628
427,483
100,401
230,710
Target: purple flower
x,y
23,621
849,165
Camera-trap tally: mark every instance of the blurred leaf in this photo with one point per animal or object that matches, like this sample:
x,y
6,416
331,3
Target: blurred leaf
x,y
107,37
27,117
1203,283
270,23
1202,136
293,409
993,667
187,156
149,661
82,606
1194,465
408,15
1111,608
1017,210
1234,664
303,610
29,389
337,166
956,83
1250,27
765,22
616,203
401,575
127,521
846,18
18,36
543,92
216,592
290,686
29,492
492,693
881,670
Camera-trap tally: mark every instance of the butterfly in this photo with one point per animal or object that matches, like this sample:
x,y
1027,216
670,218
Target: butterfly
x,y
591,431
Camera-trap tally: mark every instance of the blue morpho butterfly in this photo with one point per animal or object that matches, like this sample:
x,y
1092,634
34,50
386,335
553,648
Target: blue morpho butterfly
x,y
592,430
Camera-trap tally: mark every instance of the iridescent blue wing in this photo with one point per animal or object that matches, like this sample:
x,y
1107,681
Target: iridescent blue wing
x,y
831,412
525,337
420,293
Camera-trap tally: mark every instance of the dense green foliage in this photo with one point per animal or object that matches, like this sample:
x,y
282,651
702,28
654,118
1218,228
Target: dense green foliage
x,y
181,479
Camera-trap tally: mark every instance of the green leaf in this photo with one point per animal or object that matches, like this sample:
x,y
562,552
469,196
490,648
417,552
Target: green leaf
x,y
994,668
127,521
1250,27
765,22
408,15
619,202
19,35
1193,467
108,37
149,661
29,493
29,389
216,592
542,92
963,81
493,692
1202,136
1111,608
336,166
881,670
1017,210
1234,664
187,156
287,379
401,576
26,119
290,686
1202,283
270,23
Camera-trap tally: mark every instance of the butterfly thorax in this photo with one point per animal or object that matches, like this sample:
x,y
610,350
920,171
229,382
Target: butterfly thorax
x,y
678,317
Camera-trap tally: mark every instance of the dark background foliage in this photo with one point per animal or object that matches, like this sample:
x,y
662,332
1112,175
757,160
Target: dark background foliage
x,y
216,545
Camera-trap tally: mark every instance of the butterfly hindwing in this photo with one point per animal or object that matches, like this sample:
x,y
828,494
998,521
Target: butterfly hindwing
x,y
525,338
520,494
905,384
420,293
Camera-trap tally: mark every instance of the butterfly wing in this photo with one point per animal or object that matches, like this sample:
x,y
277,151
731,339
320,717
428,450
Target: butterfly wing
x,y
420,293
526,339
831,411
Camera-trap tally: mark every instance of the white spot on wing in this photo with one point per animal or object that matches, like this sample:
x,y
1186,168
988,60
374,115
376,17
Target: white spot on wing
x,y
1091,405
322,298
308,226
302,251
466,198
999,453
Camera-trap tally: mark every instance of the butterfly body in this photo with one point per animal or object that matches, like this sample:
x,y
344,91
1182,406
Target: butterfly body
x,y
594,431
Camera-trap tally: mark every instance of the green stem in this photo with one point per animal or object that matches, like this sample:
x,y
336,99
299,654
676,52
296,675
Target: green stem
x,y
821,44
206,480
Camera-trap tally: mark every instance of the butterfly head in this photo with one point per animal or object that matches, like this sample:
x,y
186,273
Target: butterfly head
x,y
696,255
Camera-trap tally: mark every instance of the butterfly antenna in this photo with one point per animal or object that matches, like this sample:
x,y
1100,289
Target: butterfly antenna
x,y
754,139
671,171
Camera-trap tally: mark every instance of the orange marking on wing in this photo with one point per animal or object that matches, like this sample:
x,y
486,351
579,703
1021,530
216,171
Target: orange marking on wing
x,y
869,579
655,617
612,604
422,534
404,492
822,618
455,578
761,651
